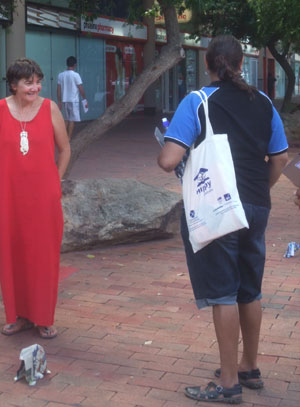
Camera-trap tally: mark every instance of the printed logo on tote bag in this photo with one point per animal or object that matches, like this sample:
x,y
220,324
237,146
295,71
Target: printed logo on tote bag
x,y
203,181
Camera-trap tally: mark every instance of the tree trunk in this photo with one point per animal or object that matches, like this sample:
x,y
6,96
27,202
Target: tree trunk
x,y
282,60
170,55
148,58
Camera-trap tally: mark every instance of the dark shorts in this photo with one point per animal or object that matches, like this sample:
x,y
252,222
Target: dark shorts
x,y
230,269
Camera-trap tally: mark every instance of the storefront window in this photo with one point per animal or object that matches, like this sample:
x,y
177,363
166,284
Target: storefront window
x,y
280,81
38,48
297,78
249,70
50,51
179,81
91,54
124,61
2,64
191,70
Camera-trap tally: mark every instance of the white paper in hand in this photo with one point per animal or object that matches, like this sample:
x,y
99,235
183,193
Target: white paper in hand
x,y
85,105
159,136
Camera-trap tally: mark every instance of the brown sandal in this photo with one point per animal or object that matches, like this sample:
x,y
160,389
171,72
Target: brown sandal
x,y
47,332
21,324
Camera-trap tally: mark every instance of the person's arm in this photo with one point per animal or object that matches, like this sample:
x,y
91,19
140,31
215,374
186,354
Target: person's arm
x,y
276,164
59,96
170,156
297,199
181,134
61,139
82,94
277,149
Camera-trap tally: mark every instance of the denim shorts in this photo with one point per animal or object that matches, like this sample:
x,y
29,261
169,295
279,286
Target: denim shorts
x,y
230,269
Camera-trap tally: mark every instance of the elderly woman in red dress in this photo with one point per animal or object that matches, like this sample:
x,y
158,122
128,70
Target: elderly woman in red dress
x,y
31,219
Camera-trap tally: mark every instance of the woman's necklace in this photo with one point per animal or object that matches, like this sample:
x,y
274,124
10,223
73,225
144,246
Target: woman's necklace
x,y
24,143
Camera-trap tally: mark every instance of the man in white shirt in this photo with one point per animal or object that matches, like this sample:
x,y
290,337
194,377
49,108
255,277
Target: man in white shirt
x,y
69,86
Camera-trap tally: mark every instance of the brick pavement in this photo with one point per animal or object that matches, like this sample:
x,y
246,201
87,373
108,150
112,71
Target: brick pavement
x,y
129,332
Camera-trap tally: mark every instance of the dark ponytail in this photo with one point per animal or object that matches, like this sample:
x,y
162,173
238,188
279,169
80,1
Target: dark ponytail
x,y
224,56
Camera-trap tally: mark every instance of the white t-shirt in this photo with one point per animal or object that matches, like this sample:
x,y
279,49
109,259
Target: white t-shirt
x,y
69,81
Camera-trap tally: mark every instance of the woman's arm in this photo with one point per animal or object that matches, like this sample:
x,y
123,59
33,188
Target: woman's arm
x,y
61,139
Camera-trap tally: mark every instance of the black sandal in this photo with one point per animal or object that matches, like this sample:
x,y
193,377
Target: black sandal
x,y
214,394
250,379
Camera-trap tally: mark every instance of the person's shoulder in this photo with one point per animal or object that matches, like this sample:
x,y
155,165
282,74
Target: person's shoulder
x,y
77,75
198,96
3,104
263,95
264,99
73,73
52,106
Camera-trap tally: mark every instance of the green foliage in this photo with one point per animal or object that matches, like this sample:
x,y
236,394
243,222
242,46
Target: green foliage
x,y
259,21
6,8
130,9
214,17
92,7
277,20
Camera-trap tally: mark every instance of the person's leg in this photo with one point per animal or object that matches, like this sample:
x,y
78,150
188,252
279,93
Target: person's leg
x,y
251,264
70,129
250,322
226,321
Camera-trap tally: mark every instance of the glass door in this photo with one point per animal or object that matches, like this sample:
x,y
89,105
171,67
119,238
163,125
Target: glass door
x,y
91,58
50,51
62,46
170,90
2,64
38,48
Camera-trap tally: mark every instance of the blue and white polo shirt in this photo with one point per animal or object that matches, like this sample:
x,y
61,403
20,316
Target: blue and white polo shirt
x,y
254,130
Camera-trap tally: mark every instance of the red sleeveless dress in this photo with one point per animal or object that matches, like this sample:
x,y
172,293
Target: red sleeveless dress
x,y
31,219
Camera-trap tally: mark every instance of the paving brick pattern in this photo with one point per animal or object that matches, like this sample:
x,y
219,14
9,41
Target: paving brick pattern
x,y
129,332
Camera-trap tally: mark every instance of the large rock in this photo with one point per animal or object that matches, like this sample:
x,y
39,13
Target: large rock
x,y
110,211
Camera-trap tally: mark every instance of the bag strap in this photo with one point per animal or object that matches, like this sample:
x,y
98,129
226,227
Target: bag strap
x,y
204,98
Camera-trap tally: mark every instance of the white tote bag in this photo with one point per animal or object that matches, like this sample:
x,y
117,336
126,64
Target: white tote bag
x,y
211,199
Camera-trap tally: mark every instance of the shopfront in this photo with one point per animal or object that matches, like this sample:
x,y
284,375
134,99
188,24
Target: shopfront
x,y
182,78
3,23
250,64
51,36
190,73
280,81
124,53
2,63
297,73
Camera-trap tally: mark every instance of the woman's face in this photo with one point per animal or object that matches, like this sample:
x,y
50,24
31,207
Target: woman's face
x,y
28,89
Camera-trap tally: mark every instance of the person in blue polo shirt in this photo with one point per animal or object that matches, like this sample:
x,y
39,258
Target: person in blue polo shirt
x,y
227,274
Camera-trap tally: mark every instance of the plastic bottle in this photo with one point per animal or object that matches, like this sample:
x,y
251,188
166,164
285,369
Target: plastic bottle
x,y
165,123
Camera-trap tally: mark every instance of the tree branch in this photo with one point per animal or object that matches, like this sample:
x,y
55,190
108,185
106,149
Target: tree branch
x,y
284,63
169,56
